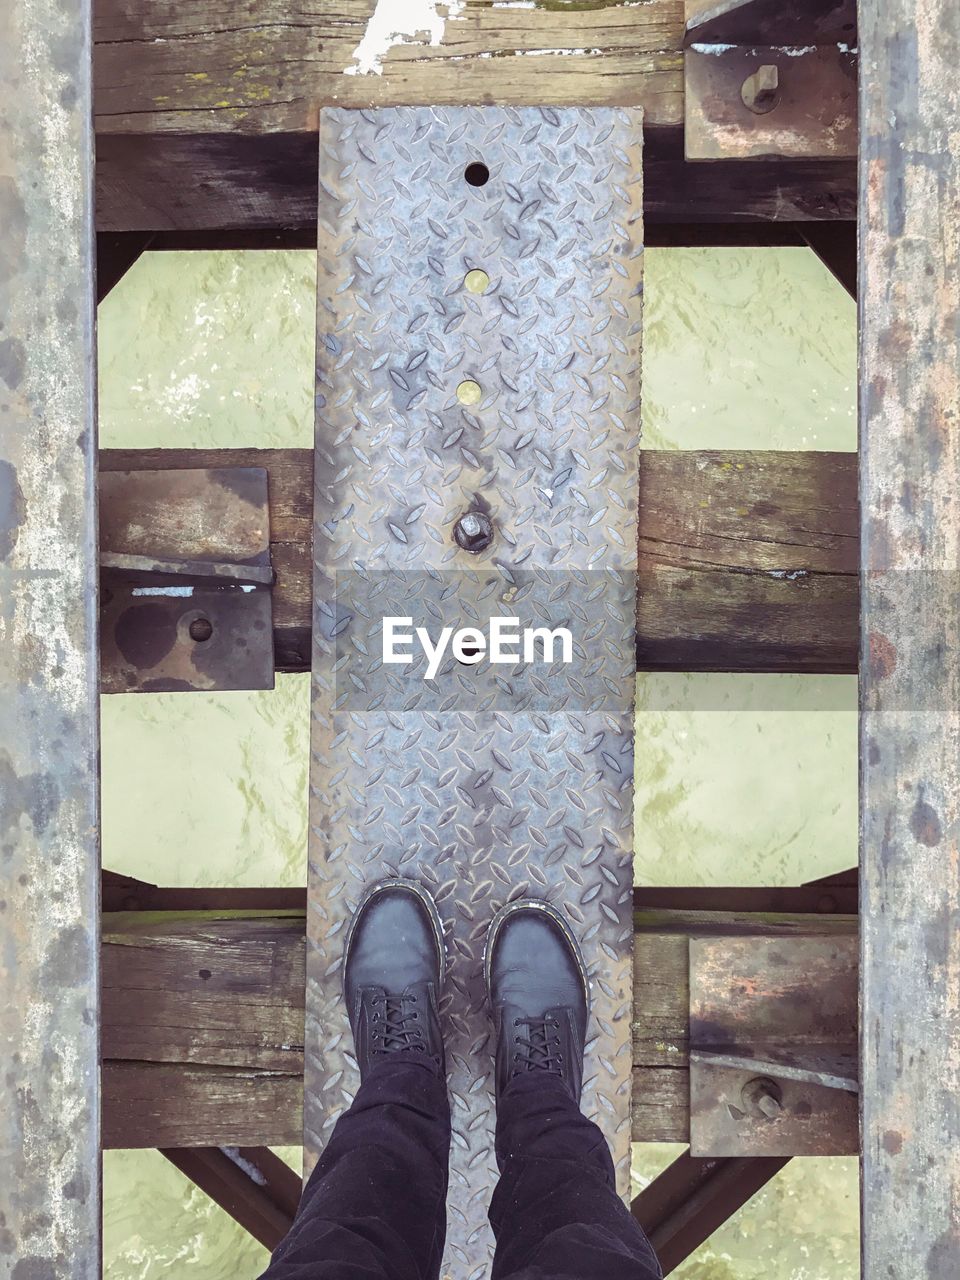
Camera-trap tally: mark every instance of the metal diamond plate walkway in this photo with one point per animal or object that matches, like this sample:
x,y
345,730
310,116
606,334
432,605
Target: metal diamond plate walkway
x,y
513,393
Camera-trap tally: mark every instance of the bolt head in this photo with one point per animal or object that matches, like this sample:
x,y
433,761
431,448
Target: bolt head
x,y
473,532
760,92
762,1095
770,1106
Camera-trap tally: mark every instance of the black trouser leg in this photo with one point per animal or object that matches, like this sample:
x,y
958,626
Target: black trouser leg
x,y
556,1212
375,1205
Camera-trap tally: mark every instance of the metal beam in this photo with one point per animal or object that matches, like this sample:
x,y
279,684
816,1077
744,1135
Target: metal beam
x,y
117,251
693,1197
771,22
910,636
49,957
835,244
115,247
253,1185
831,896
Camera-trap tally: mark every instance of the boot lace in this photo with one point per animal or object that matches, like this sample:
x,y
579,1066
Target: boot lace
x,y
396,1026
540,1049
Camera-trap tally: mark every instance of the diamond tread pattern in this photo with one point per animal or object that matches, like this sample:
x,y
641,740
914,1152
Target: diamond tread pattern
x,y
526,790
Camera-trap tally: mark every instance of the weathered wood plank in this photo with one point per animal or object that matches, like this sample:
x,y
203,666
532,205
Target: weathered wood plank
x,y
291,528
151,1104
207,116
203,181
176,68
201,982
197,1015
910,690
747,560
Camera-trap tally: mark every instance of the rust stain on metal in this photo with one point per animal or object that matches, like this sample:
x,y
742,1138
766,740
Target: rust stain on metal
x,y
811,113
925,823
186,599
893,1142
882,656
781,1012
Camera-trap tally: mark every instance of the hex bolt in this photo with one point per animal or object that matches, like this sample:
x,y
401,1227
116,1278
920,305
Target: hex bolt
x,y
761,91
763,1095
473,532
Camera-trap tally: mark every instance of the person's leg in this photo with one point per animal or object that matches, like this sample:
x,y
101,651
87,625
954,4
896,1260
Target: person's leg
x,y
555,1212
374,1207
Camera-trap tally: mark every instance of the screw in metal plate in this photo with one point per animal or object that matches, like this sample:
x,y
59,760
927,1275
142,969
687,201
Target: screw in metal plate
x,y
473,532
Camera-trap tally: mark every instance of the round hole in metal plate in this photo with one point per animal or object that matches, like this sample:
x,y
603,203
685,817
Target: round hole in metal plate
x,y
201,629
476,281
477,173
472,653
468,392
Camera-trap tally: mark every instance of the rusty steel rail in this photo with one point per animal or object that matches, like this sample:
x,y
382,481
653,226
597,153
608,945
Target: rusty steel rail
x,y
49,928
910,636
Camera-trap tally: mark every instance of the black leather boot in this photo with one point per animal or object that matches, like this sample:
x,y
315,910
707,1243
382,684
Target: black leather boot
x,y
539,994
393,969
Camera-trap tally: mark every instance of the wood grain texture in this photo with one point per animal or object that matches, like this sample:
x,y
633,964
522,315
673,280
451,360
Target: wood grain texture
x,y
148,1104
203,1023
210,67
748,561
910,687
207,115
205,181
201,980
252,1184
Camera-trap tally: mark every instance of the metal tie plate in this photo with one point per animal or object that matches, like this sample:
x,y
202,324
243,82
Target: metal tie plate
x,y
186,580
773,1046
477,455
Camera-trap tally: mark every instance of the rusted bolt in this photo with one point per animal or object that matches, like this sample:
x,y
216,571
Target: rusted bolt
x,y
761,91
200,629
473,532
763,1095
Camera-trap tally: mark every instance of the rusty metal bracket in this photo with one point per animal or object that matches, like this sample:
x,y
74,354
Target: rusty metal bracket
x,y
762,79
186,578
773,1058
